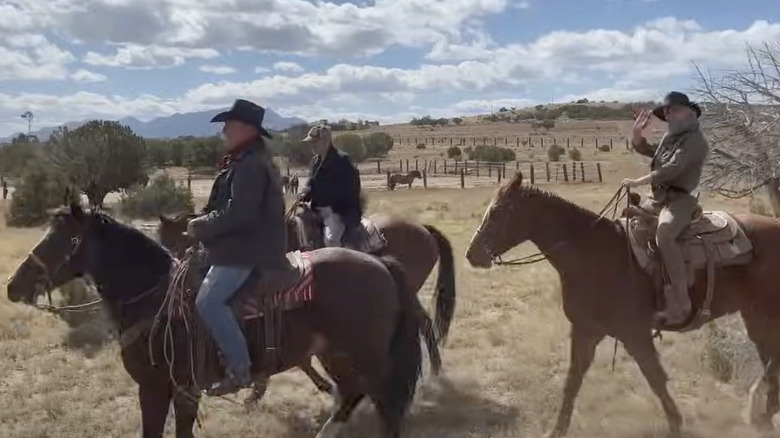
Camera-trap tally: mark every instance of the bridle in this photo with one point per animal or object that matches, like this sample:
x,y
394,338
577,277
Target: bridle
x,y
508,206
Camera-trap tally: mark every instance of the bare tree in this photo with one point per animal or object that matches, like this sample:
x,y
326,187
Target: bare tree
x,y
742,122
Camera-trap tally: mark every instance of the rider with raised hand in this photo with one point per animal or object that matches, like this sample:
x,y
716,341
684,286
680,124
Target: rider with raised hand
x,y
333,187
675,173
242,230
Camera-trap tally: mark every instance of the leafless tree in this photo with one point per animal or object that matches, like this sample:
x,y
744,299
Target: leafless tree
x,y
742,122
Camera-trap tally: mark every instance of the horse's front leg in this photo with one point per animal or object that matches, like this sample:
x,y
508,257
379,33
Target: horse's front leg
x,y
185,406
155,400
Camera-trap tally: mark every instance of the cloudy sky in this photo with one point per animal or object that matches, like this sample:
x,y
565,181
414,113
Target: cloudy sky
x,y
384,59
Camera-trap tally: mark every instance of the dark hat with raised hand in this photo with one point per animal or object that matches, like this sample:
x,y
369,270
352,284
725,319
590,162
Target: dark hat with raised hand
x,y
247,112
677,99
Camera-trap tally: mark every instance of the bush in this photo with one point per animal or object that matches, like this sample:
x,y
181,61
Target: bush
x,y
378,144
40,188
161,196
421,146
575,154
491,153
353,145
454,153
554,152
604,148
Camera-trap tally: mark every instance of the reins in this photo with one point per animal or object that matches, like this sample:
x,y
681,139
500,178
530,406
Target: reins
x,y
613,203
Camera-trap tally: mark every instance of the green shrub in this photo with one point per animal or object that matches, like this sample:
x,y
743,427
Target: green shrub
x,y
161,196
575,154
40,188
421,146
491,153
454,153
378,144
353,145
554,152
604,148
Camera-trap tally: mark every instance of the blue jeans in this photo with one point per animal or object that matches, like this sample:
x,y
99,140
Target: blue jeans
x,y
219,286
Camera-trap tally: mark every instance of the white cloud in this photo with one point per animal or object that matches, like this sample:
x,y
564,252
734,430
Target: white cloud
x,y
139,57
288,67
29,56
217,69
468,72
83,75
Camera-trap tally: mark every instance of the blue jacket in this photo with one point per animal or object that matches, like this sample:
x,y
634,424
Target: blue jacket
x,y
335,182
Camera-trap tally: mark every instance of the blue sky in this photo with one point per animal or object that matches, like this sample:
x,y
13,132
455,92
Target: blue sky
x,y
390,60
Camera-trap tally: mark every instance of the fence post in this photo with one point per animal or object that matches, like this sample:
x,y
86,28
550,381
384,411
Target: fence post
x,y
582,172
597,142
401,165
445,166
407,165
582,143
436,167
499,176
378,167
490,171
425,178
627,148
567,142
518,142
542,143
530,143
547,170
533,176
565,174
462,178
416,163
574,171
477,168
610,144
388,180
503,170
598,169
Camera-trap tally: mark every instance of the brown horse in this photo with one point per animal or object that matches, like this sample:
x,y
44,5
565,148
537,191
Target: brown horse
x,y
408,179
606,292
367,339
417,247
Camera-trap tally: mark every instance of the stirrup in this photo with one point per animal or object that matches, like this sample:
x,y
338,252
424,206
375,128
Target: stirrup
x,y
226,386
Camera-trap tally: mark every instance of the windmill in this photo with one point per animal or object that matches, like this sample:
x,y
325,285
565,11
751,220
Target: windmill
x,y
29,117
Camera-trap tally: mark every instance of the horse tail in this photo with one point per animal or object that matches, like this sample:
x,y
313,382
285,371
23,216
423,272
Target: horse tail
x,y
444,296
405,350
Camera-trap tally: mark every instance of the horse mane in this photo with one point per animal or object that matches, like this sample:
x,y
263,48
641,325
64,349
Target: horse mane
x,y
134,244
515,189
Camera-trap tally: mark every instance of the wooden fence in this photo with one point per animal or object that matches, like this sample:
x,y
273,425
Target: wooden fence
x,y
582,142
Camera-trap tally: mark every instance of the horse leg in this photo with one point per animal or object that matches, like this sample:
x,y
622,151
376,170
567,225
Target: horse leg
x,y
185,407
155,400
763,334
583,349
645,355
347,393
322,384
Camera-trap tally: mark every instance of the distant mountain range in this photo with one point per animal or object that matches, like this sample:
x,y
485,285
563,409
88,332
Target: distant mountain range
x,y
195,124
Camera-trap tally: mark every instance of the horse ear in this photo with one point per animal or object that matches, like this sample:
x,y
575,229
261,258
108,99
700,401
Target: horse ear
x,y
76,211
165,220
517,181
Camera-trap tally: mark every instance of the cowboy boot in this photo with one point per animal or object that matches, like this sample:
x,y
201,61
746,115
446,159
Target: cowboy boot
x,y
678,306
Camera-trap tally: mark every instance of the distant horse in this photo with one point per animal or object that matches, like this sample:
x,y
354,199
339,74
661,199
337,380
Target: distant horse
x,y
407,179
286,184
293,184
608,290
367,338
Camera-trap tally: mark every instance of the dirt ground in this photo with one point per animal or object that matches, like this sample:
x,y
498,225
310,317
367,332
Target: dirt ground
x,y
504,364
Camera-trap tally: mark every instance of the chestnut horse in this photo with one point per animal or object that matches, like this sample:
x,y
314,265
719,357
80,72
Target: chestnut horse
x,y
362,321
606,293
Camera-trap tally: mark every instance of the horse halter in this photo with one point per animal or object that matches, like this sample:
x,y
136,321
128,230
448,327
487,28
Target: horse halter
x,y
46,274
487,240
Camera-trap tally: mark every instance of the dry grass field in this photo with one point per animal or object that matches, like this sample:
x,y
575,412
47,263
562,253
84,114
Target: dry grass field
x,y
504,363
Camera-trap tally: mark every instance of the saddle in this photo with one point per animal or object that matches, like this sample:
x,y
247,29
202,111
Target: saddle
x,y
714,239
367,237
264,295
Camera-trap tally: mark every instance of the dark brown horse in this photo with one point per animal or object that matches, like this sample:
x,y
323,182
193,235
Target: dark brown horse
x,y
606,293
408,179
417,247
367,339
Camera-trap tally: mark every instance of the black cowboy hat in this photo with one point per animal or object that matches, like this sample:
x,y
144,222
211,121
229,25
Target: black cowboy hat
x,y
678,99
247,112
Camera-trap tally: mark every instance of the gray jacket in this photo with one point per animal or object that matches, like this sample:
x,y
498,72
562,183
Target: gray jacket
x,y
244,221
678,162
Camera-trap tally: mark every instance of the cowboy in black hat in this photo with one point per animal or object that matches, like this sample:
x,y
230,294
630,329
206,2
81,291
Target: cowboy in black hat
x,y
242,230
675,172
